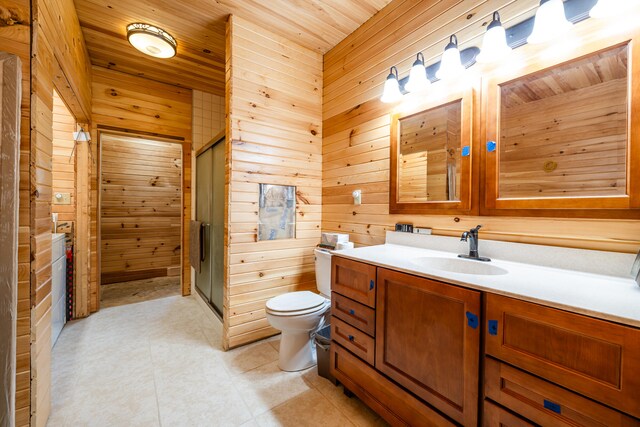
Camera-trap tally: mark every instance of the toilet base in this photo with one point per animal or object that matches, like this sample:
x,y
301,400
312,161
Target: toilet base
x,y
297,351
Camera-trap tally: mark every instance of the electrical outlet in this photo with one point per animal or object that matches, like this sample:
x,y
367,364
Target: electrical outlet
x,y
61,198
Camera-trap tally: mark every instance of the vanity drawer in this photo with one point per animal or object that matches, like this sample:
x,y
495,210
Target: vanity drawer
x,y
497,416
354,313
356,341
353,279
596,358
545,403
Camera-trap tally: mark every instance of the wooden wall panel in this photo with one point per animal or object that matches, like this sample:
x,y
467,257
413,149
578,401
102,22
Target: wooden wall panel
x,y
69,50
64,159
15,38
141,106
46,48
140,207
356,128
274,136
40,229
10,96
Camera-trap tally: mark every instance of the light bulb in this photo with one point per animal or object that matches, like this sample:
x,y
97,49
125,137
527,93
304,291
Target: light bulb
x,y
450,64
391,91
494,44
550,22
418,80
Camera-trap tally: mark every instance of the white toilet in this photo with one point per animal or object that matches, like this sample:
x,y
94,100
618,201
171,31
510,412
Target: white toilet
x,y
299,315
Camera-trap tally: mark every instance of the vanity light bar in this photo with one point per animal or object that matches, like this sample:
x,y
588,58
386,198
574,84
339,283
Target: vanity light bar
x,y
574,10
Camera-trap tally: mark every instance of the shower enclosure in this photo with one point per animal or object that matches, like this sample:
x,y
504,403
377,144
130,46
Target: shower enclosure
x,y
210,200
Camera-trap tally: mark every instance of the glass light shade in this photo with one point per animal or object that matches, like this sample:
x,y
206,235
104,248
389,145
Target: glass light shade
x,y
550,22
391,91
418,80
494,43
151,40
450,64
608,8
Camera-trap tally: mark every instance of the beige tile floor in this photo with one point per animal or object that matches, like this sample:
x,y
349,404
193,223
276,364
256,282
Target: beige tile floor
x,y
160,363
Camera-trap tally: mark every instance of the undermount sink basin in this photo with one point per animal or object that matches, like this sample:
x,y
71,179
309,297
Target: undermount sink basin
x,y
459,265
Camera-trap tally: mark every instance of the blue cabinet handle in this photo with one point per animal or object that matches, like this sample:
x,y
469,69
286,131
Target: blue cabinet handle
x,y
371,285
493,327
351,337
472,320
552,406
352,312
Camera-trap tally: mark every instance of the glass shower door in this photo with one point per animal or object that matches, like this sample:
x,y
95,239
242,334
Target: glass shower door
x,y
210,201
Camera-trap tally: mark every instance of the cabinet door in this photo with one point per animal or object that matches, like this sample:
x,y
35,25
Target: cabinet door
x,y
593,357
561,139
353,279
390,401
428,340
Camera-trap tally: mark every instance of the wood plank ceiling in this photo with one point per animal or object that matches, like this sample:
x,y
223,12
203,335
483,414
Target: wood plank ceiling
x,y
199,27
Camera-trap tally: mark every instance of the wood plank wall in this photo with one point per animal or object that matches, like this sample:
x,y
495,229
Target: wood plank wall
x,y
34,256
274,132
140,208
15,38
10,98
138,105
356,127
64,163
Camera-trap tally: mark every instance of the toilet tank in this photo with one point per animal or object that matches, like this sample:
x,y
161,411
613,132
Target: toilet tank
x,y
323,271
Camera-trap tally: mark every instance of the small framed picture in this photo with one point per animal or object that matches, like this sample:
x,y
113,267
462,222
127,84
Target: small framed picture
x,y
277,212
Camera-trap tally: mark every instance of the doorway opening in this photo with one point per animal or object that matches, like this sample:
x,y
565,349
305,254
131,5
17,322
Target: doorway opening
x,y
140,218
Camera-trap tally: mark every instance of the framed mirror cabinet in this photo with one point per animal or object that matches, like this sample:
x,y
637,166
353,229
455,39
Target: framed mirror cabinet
x,y
562,137
431,156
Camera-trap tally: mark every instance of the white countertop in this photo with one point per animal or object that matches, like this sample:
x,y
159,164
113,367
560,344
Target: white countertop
x,y
598,295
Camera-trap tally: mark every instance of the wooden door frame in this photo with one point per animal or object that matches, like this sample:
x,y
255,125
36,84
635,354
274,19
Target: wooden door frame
x,y
185,270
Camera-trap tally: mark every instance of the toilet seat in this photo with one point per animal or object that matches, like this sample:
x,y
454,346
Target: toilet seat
x,y
296,304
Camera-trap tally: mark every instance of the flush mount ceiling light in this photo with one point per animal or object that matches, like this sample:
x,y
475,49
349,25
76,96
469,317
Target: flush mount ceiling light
x,y
391,88
550,22
451,64
151,40
418,80
494,44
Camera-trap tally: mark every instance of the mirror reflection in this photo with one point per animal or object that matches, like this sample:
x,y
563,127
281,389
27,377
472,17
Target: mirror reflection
x,y
563,131
429,155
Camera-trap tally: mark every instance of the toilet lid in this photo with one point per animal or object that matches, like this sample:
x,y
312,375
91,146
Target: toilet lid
x,y
295,301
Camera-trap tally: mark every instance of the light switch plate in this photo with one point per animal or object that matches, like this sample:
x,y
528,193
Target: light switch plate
x,y
61,198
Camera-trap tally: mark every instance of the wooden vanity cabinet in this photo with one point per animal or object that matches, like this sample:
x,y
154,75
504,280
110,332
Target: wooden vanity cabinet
x,y
424,348
409,347
591,357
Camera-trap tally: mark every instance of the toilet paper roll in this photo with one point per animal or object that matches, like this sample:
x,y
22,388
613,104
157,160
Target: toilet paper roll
x,y
344,245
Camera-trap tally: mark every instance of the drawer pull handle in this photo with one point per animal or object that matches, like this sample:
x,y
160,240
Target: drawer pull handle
x,y
371,285
352,312
552,406
472,320
351,337
493,327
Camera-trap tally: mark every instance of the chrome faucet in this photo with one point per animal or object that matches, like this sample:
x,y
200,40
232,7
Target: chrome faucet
x,y
472,237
